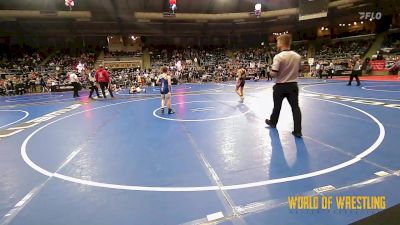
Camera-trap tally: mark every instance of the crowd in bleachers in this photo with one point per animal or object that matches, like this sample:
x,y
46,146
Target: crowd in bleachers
x,y
301,49
252,55
166,56
20,59
63,61
186,64
189,63
219,64
343,49
30,74
19,85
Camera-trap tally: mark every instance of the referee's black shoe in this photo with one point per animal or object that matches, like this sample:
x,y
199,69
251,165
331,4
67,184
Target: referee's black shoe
x,y
268,122
297,134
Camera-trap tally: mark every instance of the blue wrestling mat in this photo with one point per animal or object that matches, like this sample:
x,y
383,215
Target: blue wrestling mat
x,y
215,161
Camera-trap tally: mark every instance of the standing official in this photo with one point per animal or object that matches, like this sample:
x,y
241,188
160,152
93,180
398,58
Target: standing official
x,y
103,78
286,70
74,80
93,85
355,72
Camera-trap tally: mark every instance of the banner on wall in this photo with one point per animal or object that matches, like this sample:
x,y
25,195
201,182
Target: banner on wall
x,y
122,64
378,65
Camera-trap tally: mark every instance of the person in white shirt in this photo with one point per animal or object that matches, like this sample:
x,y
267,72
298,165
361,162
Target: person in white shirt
x,y
331,70
134,90
355,72
317,68
74,80
286,69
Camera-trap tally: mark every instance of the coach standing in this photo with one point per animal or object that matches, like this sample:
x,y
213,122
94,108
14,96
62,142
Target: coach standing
x,y
92,81
286,70
103,78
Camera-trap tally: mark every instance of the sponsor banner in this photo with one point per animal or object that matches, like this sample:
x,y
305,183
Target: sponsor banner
x,y
378,65
122,64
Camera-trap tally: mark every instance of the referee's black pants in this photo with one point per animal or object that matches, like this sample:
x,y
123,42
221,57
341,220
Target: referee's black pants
x,y
75,89
93,87
291,92
355,74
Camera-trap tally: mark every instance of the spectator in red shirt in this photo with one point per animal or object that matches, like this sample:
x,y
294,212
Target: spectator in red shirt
x,y
103,78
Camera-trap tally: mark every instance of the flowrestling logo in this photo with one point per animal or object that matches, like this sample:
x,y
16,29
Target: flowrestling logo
x,y
370,15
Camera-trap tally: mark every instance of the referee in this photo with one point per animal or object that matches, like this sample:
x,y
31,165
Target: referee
x,y
74,80
286,70
355,72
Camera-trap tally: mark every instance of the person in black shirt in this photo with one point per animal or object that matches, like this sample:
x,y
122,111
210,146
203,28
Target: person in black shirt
x,y
93,84
19,87
262,73
269,73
